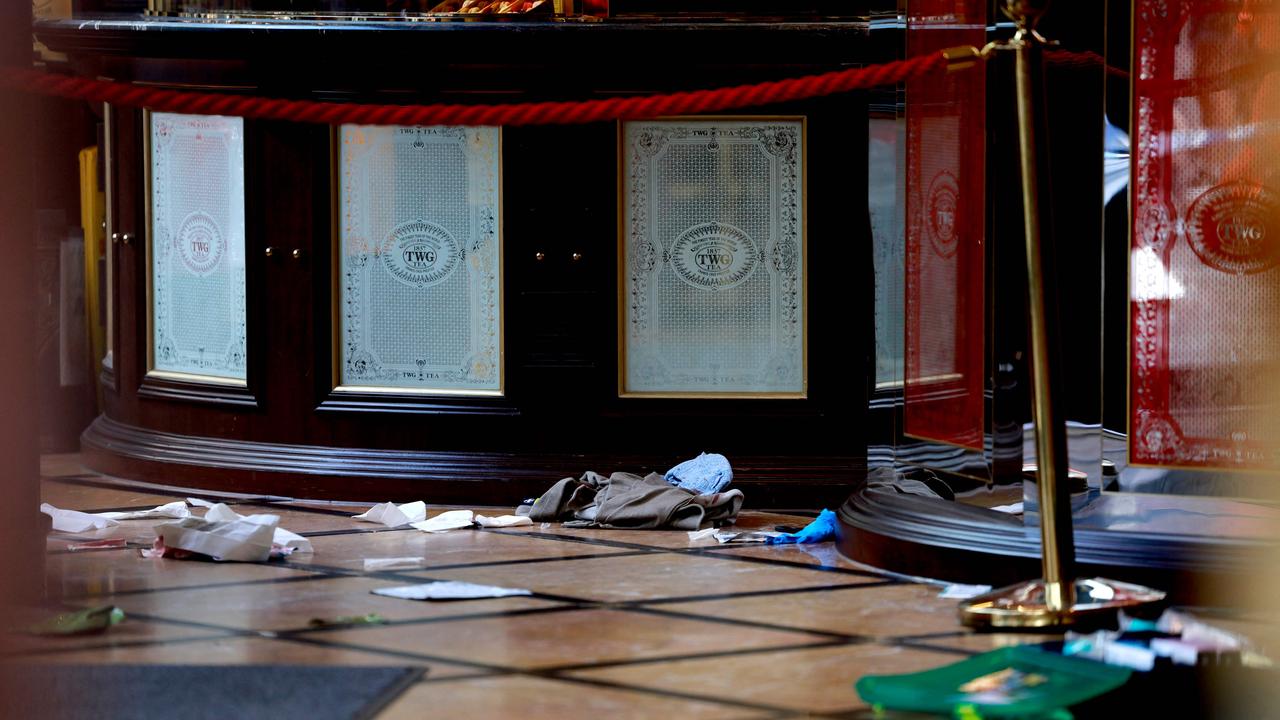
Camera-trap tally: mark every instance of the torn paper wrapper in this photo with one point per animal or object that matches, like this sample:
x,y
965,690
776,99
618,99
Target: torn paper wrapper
x,y
450,520
246,539
760,536
503,521
393,515
74,520
400,563
176,510
449,590
219,512
700,534
963,592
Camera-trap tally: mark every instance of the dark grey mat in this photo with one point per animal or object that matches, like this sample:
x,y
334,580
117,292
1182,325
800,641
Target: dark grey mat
x,y
197,692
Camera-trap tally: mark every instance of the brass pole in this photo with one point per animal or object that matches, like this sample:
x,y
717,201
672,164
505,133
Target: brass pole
x,y
1058,599
1051,461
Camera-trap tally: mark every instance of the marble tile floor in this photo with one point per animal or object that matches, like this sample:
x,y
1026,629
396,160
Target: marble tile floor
x,y
621,624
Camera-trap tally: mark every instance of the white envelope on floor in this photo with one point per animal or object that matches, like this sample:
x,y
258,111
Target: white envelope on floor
x,y
246,539
503,521
449,520
219,512
393,515
177,510
74,520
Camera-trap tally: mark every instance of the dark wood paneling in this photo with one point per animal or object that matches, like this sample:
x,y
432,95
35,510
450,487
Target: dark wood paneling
x,y
561,406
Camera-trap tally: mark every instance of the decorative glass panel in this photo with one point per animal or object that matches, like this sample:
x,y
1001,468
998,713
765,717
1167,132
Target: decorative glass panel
x,y
197,245
713,257
420,259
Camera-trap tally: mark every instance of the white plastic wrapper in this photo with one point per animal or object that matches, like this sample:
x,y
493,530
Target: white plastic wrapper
x,y
398,563
246,539
450,520
219,512
176,510
449,590
503,521
74,520
393,515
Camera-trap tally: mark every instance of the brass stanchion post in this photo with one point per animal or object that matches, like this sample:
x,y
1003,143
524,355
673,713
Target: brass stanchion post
x,y
1057,599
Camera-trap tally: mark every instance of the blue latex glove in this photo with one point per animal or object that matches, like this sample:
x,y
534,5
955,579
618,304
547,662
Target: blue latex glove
x,y
822,529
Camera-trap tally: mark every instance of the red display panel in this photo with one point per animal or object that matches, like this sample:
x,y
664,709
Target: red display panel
x,y
944,371
1203,281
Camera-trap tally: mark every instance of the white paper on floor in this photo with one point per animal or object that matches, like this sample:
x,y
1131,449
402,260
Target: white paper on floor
x,y
503,521
74,520
243,539
758,536
449,590
449,520
219,512
700,534
1013,509
400,563
963,592
175,510
197,502
393,515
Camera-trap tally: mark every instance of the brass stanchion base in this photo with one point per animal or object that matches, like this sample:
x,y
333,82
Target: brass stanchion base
x,y
1025,605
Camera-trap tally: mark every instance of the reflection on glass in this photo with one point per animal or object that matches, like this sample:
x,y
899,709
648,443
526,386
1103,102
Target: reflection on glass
x,y
1205,240
419,302
197,246
713,257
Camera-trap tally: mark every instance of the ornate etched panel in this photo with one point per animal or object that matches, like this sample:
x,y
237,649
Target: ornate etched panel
x,y
1204,280
420,260
713,254
197,246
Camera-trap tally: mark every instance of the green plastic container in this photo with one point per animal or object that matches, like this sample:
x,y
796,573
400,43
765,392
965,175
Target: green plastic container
x,y
1013,682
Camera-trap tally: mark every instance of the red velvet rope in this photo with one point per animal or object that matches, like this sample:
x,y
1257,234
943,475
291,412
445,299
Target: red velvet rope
x,y
535,113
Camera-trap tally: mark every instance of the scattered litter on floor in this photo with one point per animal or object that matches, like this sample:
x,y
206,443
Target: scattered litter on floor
x,y
1010,682
219,512
695,535
396,563
1012,509
705,474
1175,637
176,510
348,620
624,501
80,622
448,520
197,502
503,521
107,544
393,515
957,591
745,536
449,590
822,529
75,521
247,539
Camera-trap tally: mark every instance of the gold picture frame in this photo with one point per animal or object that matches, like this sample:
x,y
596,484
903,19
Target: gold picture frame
x,y
335,292
622,281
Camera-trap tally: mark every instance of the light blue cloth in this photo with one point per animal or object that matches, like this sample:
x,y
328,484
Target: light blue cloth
x,y
822,529
705,474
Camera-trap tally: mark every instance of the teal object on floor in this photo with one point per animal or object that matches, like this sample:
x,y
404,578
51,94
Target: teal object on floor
x,y
822,529
1014,682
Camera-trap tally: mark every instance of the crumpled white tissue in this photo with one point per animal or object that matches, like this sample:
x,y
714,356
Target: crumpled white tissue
x,y
74,520
448,520
503,521
219,512
176,510
393,515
